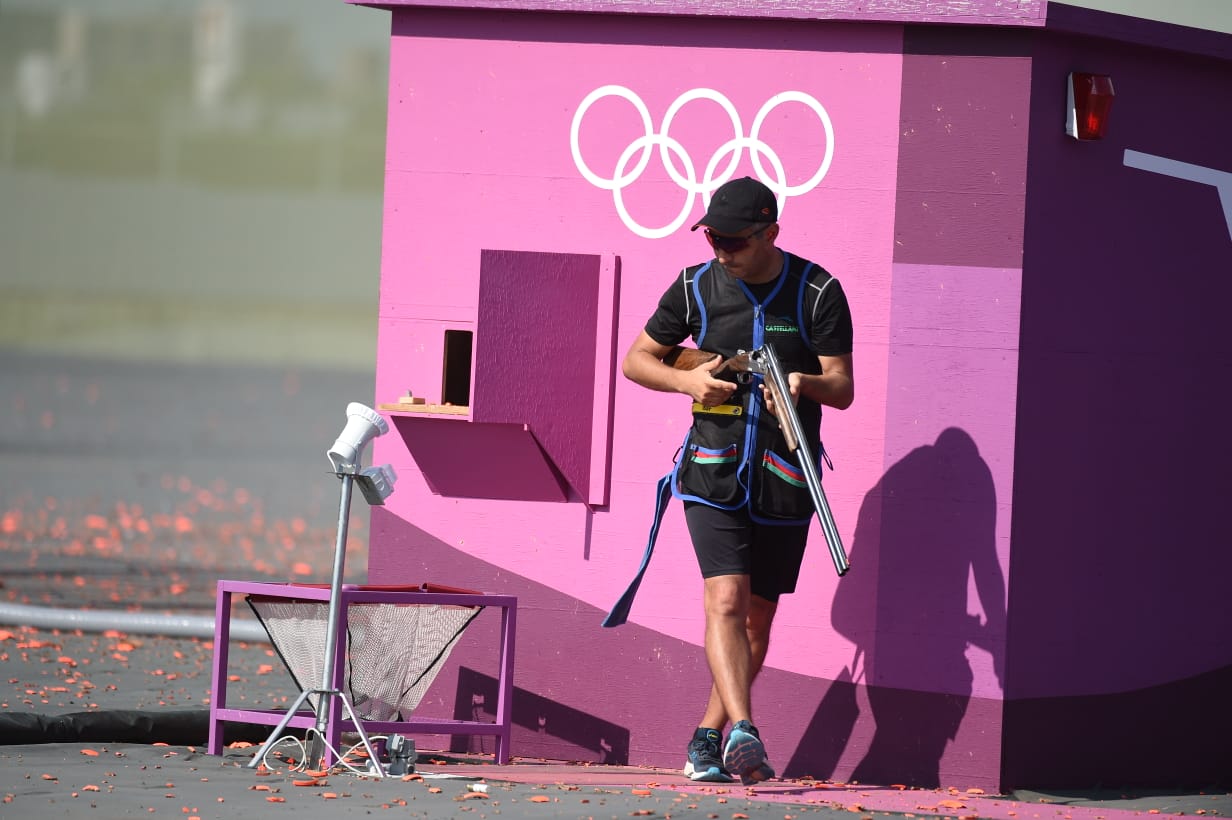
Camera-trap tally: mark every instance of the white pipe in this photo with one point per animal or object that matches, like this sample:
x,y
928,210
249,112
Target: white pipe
x,y
100,620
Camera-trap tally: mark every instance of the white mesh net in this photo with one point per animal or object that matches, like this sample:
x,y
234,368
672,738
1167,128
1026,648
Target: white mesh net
x,y
393,651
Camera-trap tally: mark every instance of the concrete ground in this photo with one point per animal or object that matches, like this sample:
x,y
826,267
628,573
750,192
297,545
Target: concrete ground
x,y
132,487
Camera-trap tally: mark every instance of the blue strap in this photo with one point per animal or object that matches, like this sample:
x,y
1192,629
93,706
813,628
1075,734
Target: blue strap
x,y
620,612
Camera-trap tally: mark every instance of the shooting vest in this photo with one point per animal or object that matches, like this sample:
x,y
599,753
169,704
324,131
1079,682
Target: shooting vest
x,y
735,454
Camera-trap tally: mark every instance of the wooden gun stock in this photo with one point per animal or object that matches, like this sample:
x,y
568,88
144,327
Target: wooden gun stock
x,y
688,358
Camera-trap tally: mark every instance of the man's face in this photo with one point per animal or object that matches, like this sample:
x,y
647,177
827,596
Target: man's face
x,y
748,255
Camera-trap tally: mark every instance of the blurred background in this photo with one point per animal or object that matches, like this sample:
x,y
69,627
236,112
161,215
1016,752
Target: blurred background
x,y
192,180
190,218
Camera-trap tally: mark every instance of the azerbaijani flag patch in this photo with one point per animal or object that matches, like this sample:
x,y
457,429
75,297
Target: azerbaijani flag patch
x,y
783,469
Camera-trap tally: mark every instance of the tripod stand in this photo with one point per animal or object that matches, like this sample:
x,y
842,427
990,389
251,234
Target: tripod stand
x,y
370,482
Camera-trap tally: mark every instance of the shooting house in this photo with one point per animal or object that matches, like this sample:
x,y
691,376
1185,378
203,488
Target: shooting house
x,y
1028,204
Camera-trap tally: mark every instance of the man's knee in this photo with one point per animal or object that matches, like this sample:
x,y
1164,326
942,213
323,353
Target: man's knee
x,y
727,595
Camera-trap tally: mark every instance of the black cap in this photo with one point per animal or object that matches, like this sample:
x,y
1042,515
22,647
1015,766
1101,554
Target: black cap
x,y
740,204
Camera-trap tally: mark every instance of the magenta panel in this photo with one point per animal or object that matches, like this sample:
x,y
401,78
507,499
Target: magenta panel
x,y
535,353
463,460
962,164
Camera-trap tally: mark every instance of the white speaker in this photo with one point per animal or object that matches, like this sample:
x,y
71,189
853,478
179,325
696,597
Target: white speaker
x,y
363,425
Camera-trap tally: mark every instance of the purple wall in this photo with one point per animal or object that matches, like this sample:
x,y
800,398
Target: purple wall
x,y
1120,620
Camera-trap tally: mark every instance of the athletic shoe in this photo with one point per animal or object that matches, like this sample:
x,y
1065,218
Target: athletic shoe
x,y
745,755
705,762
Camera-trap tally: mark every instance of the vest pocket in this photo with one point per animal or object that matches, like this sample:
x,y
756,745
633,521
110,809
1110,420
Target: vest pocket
x,y
780,489
710,472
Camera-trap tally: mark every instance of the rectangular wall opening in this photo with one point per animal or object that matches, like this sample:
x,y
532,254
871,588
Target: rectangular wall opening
x,y
456,372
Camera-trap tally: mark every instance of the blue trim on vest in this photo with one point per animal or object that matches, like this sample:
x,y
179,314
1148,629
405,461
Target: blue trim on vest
x,y
697,300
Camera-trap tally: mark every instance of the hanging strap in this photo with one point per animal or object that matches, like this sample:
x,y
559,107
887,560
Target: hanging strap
x,y
620,612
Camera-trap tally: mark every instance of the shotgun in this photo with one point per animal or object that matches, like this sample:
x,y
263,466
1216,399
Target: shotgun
x,y
765,362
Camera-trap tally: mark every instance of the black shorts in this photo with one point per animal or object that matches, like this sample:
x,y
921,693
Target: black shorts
x,y
728,542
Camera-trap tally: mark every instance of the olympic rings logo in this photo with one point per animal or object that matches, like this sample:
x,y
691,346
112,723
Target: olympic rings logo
x,y
671,150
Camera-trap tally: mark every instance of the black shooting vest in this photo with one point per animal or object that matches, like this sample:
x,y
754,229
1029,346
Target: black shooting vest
x,y
735,454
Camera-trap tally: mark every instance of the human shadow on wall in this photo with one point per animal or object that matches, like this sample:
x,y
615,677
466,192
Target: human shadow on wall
x,y
923,532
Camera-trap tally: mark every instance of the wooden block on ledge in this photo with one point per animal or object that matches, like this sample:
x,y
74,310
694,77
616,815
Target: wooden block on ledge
x,y
420,406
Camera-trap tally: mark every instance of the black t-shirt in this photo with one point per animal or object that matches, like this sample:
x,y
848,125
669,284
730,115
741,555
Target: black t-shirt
x,y
827,313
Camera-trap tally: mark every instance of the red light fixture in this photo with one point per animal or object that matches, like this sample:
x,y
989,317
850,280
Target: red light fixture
x,y
1090,101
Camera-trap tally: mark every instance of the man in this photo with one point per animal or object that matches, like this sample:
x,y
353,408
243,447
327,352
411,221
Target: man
x,y
746,504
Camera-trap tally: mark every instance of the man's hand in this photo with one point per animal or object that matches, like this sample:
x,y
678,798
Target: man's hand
x,y
701,384
650,364
793,385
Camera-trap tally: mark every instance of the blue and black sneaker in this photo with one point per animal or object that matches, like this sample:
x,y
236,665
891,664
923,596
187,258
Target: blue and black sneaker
x,y
705,761
745,755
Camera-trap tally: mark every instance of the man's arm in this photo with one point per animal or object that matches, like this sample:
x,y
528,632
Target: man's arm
x,y
644,365
835,387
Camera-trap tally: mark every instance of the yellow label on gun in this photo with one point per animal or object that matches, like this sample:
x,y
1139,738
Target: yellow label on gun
x,y
720,409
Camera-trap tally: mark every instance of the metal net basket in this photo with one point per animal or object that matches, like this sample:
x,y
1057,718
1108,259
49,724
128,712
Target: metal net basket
x,y
393,650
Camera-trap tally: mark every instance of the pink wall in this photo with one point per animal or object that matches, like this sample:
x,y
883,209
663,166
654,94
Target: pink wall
x,y
480,158
504,133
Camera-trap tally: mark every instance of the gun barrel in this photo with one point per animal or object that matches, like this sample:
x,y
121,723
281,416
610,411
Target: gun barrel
x,y
789,420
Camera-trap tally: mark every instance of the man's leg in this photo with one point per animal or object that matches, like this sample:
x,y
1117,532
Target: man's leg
x,y
757,628
728,652
776,554
729,655
722,540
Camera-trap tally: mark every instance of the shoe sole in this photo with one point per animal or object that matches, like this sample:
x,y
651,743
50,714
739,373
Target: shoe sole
x,y
711,775
759,775
746,756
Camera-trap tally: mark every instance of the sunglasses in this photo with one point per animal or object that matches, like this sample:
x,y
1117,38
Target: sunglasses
x,y
731,244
